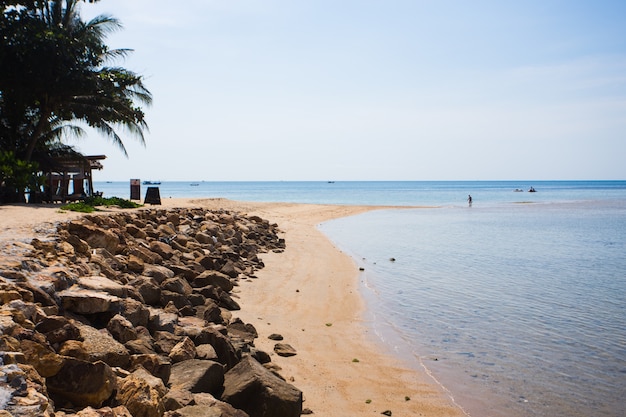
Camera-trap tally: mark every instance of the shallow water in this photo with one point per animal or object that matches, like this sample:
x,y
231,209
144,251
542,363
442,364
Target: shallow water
x,y
517,310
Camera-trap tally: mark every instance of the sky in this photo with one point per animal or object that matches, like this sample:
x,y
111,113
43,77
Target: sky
x,y
308,90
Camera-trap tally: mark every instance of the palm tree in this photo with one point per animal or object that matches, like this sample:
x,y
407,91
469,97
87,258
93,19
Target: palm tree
x,y
52,71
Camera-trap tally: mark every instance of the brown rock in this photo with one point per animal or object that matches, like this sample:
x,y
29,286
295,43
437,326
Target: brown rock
x,y
121,329
149,258
163,249
82,383
157,365
75,349
94,236
284,349
103,347
57,329
214,278
196,375
42,358
83,301
135,264
254,389
142,394
183,351
159,272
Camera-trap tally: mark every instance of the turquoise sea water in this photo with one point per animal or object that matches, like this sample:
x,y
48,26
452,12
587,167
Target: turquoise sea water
x,y
517,305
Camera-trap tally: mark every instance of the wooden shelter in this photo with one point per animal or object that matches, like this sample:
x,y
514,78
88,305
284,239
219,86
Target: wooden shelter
x,y
69,177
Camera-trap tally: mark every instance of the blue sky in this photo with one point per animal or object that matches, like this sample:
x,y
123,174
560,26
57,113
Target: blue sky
x,y
373,90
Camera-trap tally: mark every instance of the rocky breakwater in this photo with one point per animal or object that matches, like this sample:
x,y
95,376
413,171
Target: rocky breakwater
x,y
130,314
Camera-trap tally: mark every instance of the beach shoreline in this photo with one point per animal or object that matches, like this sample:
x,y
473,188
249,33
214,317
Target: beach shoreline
x,y
339,365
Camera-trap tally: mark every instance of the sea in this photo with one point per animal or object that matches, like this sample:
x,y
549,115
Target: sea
x,y
515,305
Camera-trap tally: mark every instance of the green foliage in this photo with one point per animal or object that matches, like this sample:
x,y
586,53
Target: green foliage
x,y
16,175
111,201
79,206
90,203
53,71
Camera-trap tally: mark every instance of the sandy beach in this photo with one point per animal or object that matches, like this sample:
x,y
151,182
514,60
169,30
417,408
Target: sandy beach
x,y
309,295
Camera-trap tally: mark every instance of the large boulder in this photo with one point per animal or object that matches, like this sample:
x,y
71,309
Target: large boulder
x,y
214,278
183,351
82,383
196,375
41,357
142,394
251,387
57,329
121,329
81,301
158,365
94,236
219,409
226,352
103,347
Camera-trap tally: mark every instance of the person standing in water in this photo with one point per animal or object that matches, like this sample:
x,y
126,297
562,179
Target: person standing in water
x,y
469,200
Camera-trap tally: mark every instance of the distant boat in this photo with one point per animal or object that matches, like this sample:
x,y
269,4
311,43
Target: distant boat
x,y
194,184
331,182
532,190
151,183
518,190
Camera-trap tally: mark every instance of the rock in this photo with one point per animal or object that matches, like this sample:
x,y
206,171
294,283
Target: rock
x,y
57,329
177,285
231,269
142,394
164,342
140,346
82,383
103,347
218,409
226,353
151,261
148,288
22,392
252,388
261,356
206,352
103,284
41,357
94,236
157,365
119,411
283,349
210,312
214,278
121,329
82,301
196,375
183,351
275,336
163,249
135,312
178,300
75,349
162,321
176,399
